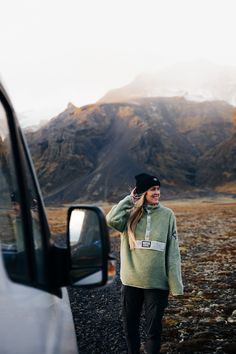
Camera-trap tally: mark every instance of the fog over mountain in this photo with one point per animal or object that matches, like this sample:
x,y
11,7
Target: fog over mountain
x,y
199,81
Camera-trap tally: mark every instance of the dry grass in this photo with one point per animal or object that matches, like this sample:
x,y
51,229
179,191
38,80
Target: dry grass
x,y
57,219
191,214
229,187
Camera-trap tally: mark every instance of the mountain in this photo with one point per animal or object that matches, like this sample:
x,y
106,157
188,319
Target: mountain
x,y
197,81
92,153
220,170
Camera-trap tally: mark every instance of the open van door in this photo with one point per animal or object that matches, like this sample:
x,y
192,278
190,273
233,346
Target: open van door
x,y
29,256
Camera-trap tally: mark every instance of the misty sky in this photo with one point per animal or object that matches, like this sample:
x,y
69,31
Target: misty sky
x,y
59,51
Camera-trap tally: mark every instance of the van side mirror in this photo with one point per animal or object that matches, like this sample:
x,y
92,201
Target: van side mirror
x,y
90,263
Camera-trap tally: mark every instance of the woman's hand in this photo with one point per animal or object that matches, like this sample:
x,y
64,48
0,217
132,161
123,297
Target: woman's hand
x,y
134,195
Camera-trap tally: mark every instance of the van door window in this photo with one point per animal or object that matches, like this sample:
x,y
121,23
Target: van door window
x,y
11,227
35,213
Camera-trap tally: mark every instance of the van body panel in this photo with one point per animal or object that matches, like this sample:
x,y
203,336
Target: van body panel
x,y
34,321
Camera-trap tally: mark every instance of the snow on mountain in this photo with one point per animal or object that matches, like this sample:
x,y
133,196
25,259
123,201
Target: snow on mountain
x,y
198,81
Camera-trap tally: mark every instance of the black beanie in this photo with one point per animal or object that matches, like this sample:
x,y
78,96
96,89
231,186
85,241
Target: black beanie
x,y
145,181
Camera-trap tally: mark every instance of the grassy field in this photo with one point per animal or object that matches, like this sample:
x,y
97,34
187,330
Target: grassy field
x,y
187,212
57,218
195,218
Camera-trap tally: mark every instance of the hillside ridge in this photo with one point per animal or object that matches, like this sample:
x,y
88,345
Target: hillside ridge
x,y
93,152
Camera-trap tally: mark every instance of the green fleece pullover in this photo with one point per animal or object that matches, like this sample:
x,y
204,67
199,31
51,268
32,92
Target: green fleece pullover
x,y
149,268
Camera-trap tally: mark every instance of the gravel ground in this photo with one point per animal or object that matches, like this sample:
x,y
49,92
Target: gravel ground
x,y
97,316
203,320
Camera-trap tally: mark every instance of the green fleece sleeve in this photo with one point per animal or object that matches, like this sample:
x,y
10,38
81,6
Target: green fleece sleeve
x,y
118,216
174,259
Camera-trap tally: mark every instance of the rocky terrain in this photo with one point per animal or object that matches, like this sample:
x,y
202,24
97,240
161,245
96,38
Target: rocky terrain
x,y
204,319
93,152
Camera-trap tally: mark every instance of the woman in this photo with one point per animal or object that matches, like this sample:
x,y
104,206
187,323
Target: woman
x,y
150,260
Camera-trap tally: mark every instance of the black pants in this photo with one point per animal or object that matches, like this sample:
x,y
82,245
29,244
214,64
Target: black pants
x,y
154,301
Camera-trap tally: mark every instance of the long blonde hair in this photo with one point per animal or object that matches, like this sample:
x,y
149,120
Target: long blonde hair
x,y
134,217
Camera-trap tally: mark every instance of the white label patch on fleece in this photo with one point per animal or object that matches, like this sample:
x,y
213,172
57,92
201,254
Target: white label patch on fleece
x,y
151,245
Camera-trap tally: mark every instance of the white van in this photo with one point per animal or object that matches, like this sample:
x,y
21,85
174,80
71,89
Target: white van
x,y
35,313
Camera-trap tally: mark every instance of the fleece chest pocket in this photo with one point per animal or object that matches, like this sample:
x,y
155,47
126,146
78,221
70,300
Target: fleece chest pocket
x,y
151,245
